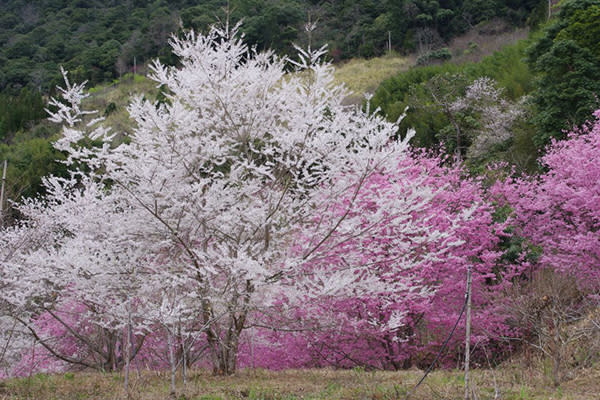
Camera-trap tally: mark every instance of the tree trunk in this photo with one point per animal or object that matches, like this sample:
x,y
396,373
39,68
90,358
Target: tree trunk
x,y
173,364
184,368
224,352
224,344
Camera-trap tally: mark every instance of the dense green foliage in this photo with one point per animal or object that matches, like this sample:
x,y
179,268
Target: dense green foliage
x,y
18,112
566,60
28,161
25,143
98,40
363,27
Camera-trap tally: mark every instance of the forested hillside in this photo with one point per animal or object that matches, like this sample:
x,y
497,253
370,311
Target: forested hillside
x,y
99,40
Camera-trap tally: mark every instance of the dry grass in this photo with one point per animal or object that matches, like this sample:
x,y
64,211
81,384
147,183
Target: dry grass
x,y
512,383
120,94
359,75
484,40
364,76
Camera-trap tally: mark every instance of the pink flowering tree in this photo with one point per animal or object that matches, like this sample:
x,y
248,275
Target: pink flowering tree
x,y
558,216
559,210
402,326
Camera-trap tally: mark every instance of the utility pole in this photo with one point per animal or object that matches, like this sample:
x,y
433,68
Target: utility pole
x,y
227,17
309,27
468,333
2,193
389,42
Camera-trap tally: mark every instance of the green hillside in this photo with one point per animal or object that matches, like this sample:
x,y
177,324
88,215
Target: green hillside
x,y
99,40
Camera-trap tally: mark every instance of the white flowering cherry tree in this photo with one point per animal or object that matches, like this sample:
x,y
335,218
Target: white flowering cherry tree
x,y
231,193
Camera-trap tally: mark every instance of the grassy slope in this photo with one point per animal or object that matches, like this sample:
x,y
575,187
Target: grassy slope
x,y
120,93
512,383
364,76
484,40
359,75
